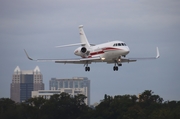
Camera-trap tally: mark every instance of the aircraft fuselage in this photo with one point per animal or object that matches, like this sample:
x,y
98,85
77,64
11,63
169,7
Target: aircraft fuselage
x,y
107,51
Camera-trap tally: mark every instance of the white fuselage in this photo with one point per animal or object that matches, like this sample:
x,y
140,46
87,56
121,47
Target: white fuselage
x,y
107,51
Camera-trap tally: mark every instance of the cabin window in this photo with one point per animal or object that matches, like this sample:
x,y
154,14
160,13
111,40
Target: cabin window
x,y
119,44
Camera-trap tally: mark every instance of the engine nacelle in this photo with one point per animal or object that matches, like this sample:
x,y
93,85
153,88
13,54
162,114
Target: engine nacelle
x,y
82,51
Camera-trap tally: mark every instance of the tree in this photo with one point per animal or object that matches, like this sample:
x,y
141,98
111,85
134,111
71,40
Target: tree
x,y
148,97
33,107
65,107
116,107
7,108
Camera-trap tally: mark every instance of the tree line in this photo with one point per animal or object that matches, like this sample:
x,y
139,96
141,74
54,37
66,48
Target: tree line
x,y
63,106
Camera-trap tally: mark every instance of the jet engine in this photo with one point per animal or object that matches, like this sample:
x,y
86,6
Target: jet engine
x,y
82,51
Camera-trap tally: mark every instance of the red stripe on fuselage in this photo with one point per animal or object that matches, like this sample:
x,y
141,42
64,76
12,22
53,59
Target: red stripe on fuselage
x,y
110,48
96,53
103,51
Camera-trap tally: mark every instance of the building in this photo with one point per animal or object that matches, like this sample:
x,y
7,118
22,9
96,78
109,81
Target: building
x,y
44,93
74,86
25,81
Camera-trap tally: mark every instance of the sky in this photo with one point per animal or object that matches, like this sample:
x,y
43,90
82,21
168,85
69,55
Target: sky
x,y
40,25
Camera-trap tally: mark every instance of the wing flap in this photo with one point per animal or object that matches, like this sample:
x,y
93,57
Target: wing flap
x,y
78,61
128,60
73,61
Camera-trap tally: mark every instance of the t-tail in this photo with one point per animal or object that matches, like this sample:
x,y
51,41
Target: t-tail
x,y
83,38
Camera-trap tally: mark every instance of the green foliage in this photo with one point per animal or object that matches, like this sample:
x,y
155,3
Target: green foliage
x,y
63,106
148,106
7,107
59,106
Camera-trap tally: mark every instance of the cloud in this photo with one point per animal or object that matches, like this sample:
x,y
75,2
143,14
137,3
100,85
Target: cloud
x,y
47,15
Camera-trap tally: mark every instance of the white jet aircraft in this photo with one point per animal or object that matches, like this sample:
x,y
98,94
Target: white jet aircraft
x,y
110,52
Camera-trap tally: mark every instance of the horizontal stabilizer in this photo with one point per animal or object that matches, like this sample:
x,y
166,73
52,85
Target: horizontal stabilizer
x,y
70,45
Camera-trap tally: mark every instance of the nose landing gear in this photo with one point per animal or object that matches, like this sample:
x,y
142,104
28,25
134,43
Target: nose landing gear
x,y
115,68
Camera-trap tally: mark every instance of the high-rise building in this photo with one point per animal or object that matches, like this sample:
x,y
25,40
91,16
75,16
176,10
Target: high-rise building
x,y
25,81
74,86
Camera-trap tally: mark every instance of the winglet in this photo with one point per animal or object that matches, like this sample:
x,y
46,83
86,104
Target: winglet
x,y
158,55
27,55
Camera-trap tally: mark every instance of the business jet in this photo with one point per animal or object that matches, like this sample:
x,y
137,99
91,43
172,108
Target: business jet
x,y
114,52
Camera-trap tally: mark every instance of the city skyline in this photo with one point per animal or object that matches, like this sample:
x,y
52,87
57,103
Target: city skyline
x,y
39,26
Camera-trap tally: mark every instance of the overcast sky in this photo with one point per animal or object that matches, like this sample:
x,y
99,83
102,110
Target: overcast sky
x,y
40,25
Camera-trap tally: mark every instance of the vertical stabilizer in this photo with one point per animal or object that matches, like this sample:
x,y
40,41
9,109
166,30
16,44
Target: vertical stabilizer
x,y
83,37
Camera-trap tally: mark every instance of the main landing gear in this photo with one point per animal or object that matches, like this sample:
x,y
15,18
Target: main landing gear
x,y
87,68
115,68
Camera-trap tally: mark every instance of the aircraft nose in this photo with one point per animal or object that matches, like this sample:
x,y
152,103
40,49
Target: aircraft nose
x,y
126,50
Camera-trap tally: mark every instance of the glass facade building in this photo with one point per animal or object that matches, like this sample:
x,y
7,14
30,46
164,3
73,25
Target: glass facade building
x,y
24,82
73,86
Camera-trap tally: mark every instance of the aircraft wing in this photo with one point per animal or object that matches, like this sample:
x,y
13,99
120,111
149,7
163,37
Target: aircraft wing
x,y
79,61
143,58
72,61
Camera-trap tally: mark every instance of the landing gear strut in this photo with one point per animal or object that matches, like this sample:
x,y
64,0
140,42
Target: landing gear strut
x,y
86,67
115,68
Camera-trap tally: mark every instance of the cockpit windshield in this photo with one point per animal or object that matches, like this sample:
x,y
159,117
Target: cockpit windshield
x,y
119,44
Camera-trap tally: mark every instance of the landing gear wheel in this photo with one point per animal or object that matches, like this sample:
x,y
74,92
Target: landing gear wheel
x,y
87,68
115,68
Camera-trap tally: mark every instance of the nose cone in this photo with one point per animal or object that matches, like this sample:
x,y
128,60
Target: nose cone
x,y
126,50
